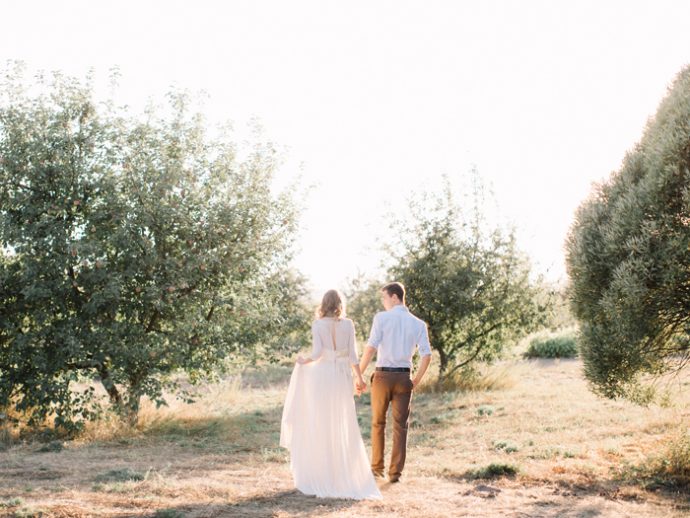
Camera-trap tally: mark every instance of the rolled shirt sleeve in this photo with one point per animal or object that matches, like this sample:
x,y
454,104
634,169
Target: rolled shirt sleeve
x,y
423,342
376,334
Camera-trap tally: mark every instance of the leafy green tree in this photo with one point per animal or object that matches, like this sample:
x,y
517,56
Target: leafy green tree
x,y
132,248
628,253
469,282
363,302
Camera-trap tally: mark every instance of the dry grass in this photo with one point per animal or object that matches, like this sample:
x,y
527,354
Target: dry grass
x,y
481,379
565,453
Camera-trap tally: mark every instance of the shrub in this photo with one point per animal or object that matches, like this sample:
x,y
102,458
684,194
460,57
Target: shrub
x,y
52,446
485,410
12,502
506,446
493,470
562,345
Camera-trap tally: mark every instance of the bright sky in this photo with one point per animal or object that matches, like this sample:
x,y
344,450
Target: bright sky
x,y
376,100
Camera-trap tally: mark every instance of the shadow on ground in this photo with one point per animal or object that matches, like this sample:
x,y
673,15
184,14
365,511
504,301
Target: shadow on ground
x,y
269,505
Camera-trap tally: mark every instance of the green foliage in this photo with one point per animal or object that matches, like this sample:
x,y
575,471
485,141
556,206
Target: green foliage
x,y
485,410
168,513
563,345
52,447
492,471
468,281
555,299
12,502
505,446
132,248
363,302
628,254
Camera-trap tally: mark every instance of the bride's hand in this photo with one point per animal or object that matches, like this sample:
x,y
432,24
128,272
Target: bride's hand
x,y
301,360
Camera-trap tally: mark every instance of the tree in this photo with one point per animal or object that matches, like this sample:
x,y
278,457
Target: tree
x,y
628,257
469,283
132,248
363,297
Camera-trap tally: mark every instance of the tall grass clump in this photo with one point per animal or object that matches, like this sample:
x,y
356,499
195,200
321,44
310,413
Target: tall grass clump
x,y
672,466
211,408
471,379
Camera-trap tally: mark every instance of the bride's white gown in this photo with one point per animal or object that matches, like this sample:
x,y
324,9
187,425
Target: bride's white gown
x,y
319,424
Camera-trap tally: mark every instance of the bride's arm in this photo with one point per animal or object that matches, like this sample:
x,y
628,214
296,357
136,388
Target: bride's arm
x,y
361,385
316,347
352,344
372,345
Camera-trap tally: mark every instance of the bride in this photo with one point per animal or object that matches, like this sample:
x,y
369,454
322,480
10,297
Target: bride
x,y
319,424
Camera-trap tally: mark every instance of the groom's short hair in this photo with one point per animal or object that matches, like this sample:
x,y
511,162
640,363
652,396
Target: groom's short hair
x,y
395,288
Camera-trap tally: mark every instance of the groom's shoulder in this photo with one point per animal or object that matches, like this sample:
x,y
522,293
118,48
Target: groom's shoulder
x,y
417,319
380,315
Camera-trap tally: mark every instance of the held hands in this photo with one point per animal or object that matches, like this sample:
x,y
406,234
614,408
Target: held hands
x,y
360,386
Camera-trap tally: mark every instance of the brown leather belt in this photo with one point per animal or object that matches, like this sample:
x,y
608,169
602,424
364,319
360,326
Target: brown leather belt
x,y
393,369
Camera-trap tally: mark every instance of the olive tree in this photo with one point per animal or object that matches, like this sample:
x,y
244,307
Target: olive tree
x,y
628,253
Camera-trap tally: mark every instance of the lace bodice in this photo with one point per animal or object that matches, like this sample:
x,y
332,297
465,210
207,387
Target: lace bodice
x,y
323,335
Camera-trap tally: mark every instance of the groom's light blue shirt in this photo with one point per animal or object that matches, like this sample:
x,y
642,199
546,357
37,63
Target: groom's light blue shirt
x,y
395,334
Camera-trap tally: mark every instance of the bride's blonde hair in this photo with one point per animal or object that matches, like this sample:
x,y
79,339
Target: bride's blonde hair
x,y
332,305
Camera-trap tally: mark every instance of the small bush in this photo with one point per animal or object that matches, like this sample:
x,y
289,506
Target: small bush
x,y
12,502
120,475
52,446
553,346
485,410
493,470
506,446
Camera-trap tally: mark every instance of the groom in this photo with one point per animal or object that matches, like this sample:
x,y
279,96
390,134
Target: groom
x,y
395,334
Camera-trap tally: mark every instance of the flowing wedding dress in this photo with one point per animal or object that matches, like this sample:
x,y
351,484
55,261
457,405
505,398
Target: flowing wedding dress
x,y
319,424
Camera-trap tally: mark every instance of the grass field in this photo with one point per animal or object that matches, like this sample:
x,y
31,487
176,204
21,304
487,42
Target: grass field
x,y
538,444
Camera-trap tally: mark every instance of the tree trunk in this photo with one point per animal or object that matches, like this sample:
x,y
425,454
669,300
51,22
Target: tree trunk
x,y
443,365
110,388
132,410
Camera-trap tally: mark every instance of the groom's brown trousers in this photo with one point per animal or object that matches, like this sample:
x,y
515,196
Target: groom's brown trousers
x,y
394,389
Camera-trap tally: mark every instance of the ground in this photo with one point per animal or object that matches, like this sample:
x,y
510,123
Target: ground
x,y
573,453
